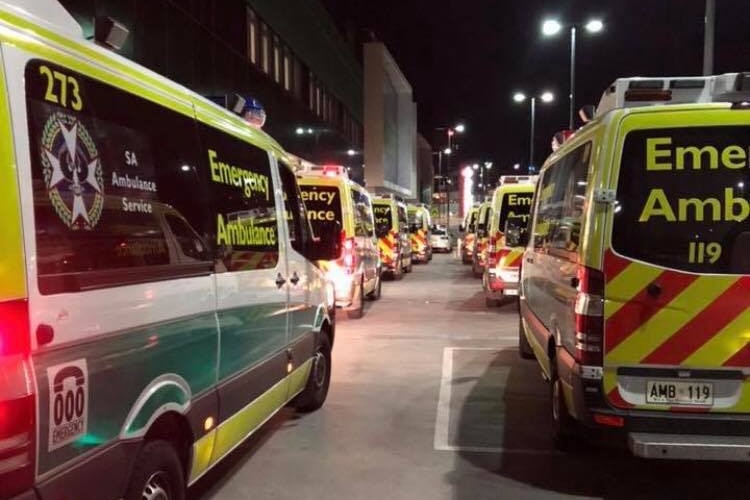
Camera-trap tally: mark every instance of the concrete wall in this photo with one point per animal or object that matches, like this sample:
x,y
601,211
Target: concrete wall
x,y
390,125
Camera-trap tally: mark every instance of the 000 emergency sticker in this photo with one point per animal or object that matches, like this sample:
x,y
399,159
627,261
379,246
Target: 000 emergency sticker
x,y
68,402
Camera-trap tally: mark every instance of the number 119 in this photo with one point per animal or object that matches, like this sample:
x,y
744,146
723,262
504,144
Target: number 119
x,y
700,251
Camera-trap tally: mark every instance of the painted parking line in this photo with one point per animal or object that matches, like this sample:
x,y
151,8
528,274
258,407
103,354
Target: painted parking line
x,y
443,440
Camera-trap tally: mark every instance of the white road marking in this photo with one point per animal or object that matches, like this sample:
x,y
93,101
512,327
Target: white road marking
x,y
442,419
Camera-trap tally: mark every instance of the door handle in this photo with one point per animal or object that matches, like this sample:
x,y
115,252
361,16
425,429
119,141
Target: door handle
x,y
295,278
280,280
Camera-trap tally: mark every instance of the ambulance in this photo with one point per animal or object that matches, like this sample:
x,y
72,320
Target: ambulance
x,y
340,213
420,231
469,235
635,283
481,239
159,298
394,239
510,201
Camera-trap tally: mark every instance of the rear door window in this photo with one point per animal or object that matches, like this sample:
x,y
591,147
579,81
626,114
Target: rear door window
x,y
682,199
514,205
383,219
324,212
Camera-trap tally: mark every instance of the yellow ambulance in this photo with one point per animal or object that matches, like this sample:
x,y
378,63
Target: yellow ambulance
x,y
420,227
635,286
510,201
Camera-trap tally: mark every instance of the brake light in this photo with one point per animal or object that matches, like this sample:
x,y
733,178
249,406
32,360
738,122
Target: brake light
x,y
589,315
349,256
17,403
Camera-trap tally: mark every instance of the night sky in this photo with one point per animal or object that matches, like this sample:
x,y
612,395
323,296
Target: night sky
x,y
465,59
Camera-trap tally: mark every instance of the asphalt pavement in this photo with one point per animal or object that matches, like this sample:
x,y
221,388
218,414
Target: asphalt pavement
x,y
430,400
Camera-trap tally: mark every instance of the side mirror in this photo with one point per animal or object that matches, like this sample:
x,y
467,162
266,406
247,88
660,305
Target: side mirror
x,y
515,232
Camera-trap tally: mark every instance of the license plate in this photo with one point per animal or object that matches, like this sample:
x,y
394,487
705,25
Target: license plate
x,y
671,392
511,291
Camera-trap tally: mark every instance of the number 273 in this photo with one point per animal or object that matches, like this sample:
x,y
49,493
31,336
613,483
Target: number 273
x,y
61,89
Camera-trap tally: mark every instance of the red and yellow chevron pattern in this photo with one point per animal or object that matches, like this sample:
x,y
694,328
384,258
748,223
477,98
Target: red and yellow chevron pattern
x,y
387,247
695,321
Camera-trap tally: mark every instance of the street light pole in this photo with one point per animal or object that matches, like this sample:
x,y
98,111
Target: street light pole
x,y
572,75
531,133
708,38
551,27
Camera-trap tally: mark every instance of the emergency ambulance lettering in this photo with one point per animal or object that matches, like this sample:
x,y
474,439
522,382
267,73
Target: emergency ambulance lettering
x,y
243,233
694,209
661,156
249,182
514,199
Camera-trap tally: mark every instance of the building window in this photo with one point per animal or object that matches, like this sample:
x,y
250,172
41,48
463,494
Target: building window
x,y
252,36
300,74
276,59
287,70
265,48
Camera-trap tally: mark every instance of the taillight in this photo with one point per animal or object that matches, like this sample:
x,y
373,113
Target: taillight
x,y
589,314
349,256
17,405
495,255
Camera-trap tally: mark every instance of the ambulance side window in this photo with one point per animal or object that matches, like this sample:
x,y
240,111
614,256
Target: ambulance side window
x,y
561,199
243,228
295,211
107,166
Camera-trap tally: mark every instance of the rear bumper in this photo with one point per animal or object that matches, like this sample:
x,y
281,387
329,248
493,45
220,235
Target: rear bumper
x,y
500,283
689,447
654,434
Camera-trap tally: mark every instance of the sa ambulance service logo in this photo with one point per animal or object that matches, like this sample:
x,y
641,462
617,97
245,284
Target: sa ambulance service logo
x,y
68,402
72,172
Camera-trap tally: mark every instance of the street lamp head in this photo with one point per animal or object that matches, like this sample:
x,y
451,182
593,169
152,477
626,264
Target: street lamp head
x,y
548,97
351,152
519,97
551,27
516,166
488,165
475,166
299,131
594,26
447,151
460,128
309,131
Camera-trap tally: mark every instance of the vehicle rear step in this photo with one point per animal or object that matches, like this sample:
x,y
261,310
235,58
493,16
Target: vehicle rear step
x,y
689,446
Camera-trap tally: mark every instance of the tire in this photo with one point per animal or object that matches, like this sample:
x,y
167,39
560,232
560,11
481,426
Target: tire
x,y
524,348
398,272
157,473
359,311
316,390
375,294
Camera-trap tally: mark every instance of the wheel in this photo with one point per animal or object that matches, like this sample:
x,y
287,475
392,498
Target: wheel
x,y
157,474
524,348
316,390
359,296
375,294
476,270
398,272
566,436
